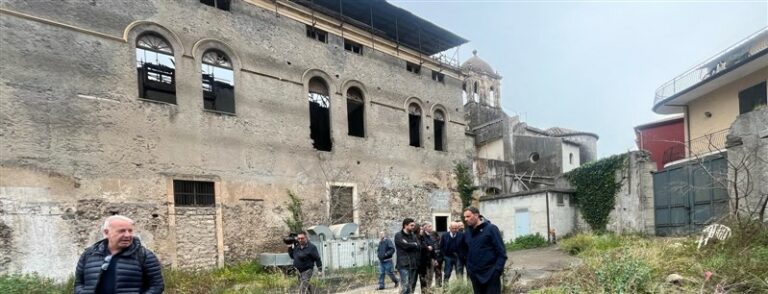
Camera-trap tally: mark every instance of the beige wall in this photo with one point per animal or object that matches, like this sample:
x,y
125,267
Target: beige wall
x,y
493,150
723,104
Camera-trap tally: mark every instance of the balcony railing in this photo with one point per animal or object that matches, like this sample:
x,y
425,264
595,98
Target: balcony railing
x,y
729,58
709,143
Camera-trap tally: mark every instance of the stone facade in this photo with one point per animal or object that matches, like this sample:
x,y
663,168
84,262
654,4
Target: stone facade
x,y
78,144
747,147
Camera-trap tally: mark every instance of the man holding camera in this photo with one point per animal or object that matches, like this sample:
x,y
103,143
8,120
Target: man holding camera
x,y
305,257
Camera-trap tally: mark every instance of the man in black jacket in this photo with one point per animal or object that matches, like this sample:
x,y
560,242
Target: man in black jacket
x,y
385,251
449,246
486,254
408,248
305,257
118,263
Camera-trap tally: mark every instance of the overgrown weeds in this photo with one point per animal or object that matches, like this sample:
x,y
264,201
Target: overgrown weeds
x,y
526,242
637,264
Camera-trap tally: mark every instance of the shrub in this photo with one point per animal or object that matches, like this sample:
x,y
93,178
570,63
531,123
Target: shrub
x,y
31,284
526,242
620,272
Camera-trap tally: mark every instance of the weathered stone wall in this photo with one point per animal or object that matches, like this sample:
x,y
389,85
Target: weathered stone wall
x,y
196,237
550,153
75,134
747,143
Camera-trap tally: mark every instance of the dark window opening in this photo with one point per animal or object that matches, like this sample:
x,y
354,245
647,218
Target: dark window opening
x,y
353,47
464,93
752,98
317,34
534,157
475,94
438,76
218,82
156,68
412,67
441,223
193,193
439,130
319,114
414,124
220,4
492,191
342,210
355,113
560,200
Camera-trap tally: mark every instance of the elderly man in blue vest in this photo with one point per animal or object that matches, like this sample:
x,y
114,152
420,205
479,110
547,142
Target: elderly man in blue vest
x,y
485,250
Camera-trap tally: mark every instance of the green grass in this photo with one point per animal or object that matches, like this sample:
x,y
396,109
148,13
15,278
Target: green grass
x,y
526,242
638,264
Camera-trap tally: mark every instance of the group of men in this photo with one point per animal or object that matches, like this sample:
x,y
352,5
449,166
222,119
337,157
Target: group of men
x,y
119,263
422,254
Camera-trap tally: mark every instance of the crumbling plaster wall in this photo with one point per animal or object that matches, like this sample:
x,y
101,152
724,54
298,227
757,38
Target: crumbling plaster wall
x,y
77,140
748,143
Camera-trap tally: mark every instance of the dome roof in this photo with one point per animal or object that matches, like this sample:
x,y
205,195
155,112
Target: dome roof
x,y
476,64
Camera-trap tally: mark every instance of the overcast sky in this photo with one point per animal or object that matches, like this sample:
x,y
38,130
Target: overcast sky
x,y
591,65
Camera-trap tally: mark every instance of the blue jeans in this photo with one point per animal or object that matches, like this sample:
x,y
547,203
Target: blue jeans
x,y
385,268
407,280
451,262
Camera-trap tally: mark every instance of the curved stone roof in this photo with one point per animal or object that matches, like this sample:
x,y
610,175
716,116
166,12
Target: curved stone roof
x,y
476,64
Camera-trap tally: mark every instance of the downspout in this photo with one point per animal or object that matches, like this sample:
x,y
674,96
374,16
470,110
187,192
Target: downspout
x,y
687,142
549,237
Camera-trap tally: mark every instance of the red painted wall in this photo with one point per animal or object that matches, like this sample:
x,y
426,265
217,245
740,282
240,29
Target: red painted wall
x,y
657,138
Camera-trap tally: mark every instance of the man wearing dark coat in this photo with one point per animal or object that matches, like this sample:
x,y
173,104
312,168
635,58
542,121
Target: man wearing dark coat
x,y
485,250
408,249
385,251
449,246
305,257
118,263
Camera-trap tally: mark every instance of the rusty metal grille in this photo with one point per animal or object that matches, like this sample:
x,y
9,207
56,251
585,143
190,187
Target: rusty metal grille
x,y
193,193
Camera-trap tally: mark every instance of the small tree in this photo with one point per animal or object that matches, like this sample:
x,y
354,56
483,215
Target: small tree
x,y
464,184
295,221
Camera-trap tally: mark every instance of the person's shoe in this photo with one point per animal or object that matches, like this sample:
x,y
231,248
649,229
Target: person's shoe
x,y
396,284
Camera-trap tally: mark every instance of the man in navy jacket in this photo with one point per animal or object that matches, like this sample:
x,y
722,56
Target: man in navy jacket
x,y
486,254
449,246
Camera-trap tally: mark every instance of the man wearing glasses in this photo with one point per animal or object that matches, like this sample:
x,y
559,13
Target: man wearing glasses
x,y
118,263
305,257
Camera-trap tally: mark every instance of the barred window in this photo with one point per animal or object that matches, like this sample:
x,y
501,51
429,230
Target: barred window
x,y
193,193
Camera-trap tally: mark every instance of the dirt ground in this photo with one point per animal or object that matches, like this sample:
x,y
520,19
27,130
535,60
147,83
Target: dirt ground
x,y
526,266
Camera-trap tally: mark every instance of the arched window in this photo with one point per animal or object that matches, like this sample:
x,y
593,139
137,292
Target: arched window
x,y
319,114
464,94
414,124
439,121
355,112
156,68
492,98
218,82
475,94
570,158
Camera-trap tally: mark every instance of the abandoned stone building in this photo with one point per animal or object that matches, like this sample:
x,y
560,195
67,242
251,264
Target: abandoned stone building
x,y
196,117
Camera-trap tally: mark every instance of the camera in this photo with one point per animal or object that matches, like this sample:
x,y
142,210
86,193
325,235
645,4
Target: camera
x,y
291,239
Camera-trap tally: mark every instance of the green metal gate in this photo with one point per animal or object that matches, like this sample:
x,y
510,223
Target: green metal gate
x,y
690,196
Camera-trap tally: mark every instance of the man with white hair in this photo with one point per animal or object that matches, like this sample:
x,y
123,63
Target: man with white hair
x,y
118,263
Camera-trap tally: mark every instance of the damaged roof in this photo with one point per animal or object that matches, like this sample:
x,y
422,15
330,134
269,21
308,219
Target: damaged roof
x,y
389,21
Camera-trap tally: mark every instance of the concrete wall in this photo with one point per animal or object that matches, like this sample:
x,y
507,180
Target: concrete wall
x,y
571,158
723,104
748,143
501,210
493,150
550,153
78,144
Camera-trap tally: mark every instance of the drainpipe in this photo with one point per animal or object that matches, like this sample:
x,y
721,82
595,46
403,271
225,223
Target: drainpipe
x,y
549,240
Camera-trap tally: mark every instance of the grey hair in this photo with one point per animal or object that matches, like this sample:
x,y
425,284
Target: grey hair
x,y
109,220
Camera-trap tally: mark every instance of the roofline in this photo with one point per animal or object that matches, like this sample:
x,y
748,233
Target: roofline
x,y
664,121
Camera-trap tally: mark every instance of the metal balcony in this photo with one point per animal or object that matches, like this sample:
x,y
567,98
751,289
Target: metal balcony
x,y
726,61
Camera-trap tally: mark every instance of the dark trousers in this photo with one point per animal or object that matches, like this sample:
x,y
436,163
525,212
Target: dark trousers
x,y
492,286
451,263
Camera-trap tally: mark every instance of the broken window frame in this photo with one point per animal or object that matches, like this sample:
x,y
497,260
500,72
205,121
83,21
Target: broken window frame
x,y
414,125
317,34
320,114
156,80
413,68
439,130
335,204
220,4
218,89
355,112
353,47
438,76
752,97
194,193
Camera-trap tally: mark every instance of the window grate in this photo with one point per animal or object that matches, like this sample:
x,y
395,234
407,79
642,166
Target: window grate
x,y
193,193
